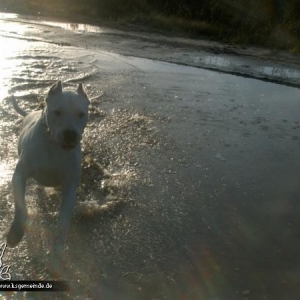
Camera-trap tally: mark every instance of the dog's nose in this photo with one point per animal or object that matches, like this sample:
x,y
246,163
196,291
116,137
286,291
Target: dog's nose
x,y
70,137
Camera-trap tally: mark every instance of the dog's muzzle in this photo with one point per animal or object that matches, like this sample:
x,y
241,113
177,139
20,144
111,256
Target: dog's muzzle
x,y
70,139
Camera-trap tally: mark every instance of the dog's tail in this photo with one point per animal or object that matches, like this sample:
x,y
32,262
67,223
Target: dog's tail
x,y
17,108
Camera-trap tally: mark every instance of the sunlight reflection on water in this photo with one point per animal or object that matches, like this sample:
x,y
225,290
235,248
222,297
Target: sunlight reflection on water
x,y
11,48
75,27
280,72
8,16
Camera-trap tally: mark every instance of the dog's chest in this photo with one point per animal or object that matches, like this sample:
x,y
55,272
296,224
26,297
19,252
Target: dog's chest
x,y
55,172
56,167
47,176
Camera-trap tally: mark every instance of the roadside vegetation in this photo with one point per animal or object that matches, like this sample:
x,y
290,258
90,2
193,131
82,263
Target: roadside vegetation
x,y
272,23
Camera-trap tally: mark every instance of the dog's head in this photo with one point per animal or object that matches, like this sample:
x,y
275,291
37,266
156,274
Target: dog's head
x,y
66,114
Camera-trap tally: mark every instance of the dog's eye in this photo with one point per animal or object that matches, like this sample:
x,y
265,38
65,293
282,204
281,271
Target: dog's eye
x,y
57,113
81,115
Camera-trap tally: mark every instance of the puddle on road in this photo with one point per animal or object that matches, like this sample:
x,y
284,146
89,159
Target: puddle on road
x,y
242,65
20,27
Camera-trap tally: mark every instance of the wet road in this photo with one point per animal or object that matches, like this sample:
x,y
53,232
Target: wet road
x,y
202,201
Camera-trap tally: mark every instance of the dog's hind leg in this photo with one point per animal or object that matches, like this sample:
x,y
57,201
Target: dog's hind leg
x,y
18,226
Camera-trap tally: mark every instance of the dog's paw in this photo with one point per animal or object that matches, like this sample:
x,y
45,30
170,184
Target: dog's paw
x,y
15,234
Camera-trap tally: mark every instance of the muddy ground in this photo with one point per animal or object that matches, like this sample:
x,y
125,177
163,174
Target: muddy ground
x,y
201,201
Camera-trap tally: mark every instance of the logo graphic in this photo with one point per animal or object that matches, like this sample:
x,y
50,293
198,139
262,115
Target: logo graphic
x,y
4,269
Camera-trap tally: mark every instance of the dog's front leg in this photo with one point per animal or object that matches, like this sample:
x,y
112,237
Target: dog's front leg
x,y
67,208
18,226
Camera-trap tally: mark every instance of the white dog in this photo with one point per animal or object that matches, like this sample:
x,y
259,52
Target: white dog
x,y
50,152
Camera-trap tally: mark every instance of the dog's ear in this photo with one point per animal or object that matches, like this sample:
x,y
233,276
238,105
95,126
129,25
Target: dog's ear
x,y
81,91
56,88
